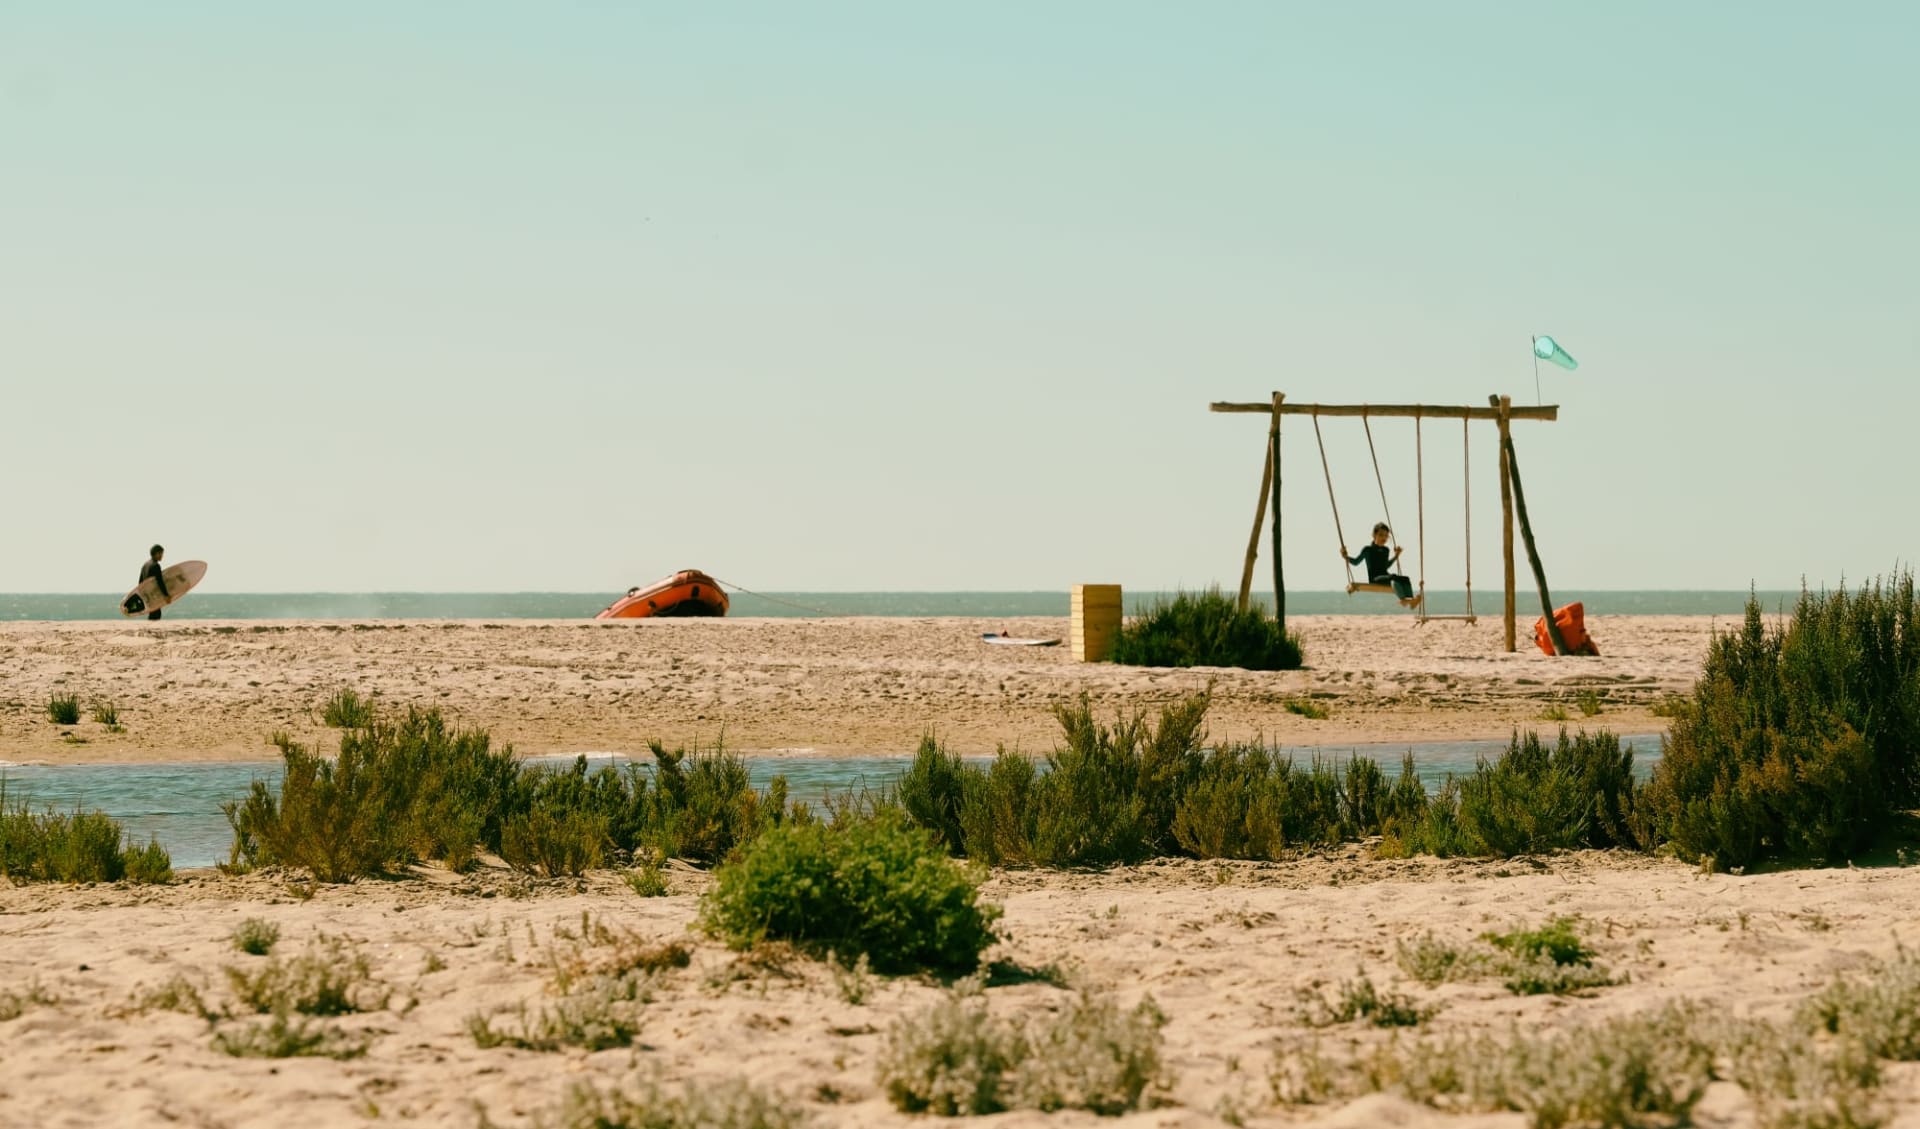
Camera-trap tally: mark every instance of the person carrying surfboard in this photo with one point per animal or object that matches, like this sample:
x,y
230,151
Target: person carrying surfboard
x,y
152,568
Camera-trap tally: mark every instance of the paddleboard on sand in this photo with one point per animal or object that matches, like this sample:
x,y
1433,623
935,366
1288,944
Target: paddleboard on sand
x,y
1014,641
146,596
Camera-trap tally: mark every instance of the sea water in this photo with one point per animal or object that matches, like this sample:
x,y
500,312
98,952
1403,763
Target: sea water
x,y
203,604
180,804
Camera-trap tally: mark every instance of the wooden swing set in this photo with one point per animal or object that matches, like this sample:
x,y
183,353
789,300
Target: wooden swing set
x,y
1500,410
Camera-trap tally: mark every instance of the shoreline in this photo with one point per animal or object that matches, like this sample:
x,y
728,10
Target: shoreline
x,y
214,691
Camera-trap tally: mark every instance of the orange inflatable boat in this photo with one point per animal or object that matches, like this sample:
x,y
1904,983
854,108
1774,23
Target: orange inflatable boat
x,y
1572,619
687,592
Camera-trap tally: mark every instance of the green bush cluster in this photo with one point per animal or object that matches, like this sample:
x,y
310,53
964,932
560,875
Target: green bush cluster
x,y
416,788
63,709
1205,629
1578,792
77,846
876,888
1799,742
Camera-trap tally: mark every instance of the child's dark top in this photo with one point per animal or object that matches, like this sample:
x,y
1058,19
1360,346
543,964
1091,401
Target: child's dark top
x,y
1379,560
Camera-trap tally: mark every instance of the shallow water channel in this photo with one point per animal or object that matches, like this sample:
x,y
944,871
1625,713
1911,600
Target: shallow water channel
x,y
179,804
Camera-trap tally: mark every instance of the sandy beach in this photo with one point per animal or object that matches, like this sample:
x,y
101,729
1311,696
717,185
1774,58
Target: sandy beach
x,y
215,691
1224,950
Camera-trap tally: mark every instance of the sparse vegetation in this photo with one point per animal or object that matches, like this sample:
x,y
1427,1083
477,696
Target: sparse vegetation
x,y
955,1059
63,709
1434,962
1205,629
16,1003
1589,702
107,714
596,1019
332,977
648,881
730,1104
1307,708
1358,999
286,1036
256,936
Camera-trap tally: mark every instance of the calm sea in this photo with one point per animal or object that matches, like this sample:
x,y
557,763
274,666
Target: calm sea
x,y
982,605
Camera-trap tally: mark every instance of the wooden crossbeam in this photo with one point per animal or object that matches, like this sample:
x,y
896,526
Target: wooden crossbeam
x,y
1424,411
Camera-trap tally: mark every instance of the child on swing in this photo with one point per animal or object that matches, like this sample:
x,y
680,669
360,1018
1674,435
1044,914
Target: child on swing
x,y
1380,562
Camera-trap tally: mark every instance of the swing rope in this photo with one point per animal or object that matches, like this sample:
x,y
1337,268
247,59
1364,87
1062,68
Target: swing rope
x,y
1382,484
1338,534
1466,494
1420,501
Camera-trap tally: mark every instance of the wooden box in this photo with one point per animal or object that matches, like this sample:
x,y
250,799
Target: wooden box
x,y
1095,621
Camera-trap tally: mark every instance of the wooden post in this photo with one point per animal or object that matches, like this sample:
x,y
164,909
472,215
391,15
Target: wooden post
x,y
1259,519
1533,554
1505,404
1279,566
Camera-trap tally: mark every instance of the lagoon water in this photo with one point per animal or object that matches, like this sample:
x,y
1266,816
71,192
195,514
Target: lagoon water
x,y
179,804
214,604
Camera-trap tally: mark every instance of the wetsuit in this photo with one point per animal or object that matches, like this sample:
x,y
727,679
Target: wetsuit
x,y
152,568
1379,562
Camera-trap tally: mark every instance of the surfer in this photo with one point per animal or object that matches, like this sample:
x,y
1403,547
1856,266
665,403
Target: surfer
x,y
152,568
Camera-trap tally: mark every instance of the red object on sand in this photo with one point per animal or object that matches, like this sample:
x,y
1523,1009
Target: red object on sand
x,y
1573,630
687,592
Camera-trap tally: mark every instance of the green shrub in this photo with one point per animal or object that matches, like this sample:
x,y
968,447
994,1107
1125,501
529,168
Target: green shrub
x,y
594,1020
63,709
106,713
347,710
1434,962
648,881
1879,1008
1205,629
932,790
553,842
877,888
1091,1056
256,936
1556,941
1358,999
1532,798
77,846
1800,742
996,809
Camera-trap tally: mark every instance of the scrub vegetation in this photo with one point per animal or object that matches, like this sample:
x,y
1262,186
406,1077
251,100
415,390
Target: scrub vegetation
x,y
1205,629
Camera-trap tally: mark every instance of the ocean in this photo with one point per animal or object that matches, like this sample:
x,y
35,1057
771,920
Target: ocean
x,y
976,605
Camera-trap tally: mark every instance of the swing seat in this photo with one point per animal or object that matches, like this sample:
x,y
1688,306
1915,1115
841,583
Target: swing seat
x,y
1383,589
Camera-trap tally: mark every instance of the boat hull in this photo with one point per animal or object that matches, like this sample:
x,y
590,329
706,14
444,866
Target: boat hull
x,y
688,592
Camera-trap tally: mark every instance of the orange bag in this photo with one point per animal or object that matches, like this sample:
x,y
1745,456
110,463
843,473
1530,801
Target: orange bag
x,y
1573,629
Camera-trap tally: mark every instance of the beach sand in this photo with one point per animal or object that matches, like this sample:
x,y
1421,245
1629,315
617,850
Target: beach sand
x,y
215,691
1223,949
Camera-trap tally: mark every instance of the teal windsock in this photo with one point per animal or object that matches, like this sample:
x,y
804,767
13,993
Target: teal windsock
x,y
1547,349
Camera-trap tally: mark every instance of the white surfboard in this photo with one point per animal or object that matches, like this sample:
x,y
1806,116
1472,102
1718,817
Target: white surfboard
x,y
146,596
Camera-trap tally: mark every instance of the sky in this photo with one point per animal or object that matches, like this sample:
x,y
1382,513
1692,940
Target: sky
x,y
881,296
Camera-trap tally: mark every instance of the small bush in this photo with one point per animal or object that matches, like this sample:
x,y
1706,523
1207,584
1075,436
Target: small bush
x,y
106,713
1539,976
288,1037
256,936
876,888
1879,1008
951,1059
1434,962
648,881
63,709
1091,1056
347,710
1555,942
177,994
14,1004
1358,999
553,843
593,1020
1307,708
732,1104
1205,629
1589,702
954,1059
331,977
1579,792
932,792
1800,742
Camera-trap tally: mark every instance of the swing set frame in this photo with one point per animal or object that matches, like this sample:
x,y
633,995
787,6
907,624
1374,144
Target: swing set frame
x,y
1500,410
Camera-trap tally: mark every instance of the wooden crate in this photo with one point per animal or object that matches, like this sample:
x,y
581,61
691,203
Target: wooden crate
x,y
1095,621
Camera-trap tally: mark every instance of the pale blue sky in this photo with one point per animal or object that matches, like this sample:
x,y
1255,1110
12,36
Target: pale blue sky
x,y
912,296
